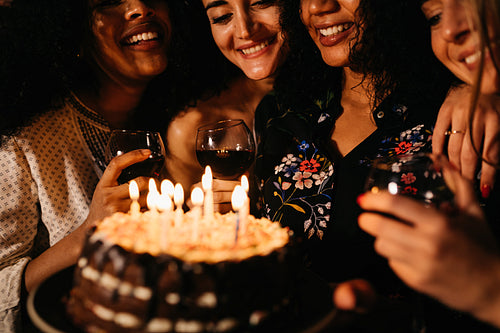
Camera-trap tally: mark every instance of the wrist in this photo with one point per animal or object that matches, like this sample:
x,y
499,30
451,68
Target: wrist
x,y
488,306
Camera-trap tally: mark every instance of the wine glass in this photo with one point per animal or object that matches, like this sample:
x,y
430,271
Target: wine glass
x,y
227,146
123,141
419,176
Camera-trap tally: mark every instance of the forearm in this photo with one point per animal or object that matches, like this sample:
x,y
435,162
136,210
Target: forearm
x,y
63,254
488,308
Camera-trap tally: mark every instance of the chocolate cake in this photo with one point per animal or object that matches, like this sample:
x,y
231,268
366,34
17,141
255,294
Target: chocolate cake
x,y
153,273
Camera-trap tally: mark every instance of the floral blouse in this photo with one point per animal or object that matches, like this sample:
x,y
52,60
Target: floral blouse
x,y
308,187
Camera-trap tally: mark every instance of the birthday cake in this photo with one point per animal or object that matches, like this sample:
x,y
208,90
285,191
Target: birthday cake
x,y
156,273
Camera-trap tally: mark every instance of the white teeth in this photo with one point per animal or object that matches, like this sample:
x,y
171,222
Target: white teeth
x,y
144,36
254,49
472,58
334,30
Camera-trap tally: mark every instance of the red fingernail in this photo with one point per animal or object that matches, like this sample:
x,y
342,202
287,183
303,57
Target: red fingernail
x,y
485,191
360,198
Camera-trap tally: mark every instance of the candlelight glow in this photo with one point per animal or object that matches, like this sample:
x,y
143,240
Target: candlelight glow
x,y
197,196
206,179
238,198
178,195
153,197
167,187
133,190
244,183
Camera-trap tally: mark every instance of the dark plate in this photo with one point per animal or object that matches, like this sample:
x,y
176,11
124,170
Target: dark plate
x,y
312,310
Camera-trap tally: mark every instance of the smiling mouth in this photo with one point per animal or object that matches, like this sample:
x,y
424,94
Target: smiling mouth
x,y
257,48
142,37
472,58
335,30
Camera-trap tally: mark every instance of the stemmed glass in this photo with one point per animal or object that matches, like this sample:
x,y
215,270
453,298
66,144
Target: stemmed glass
x,y
227,146
419,176
123,141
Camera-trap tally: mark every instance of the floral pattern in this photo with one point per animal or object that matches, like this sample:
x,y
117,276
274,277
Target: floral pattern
x,y
300,192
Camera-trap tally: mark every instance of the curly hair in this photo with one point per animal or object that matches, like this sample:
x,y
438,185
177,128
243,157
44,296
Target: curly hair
x,y
40,61
391,49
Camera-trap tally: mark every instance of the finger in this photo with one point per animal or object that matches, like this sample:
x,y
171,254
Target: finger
x,y
355,295
117,164
455,143
224,185
468,159
401,207
394,239
491,152
443,122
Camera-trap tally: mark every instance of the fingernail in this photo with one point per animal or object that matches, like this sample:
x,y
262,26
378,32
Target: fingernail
x,y
145,151
360,198
485,191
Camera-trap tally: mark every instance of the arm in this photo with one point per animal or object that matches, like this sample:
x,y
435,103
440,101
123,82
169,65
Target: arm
x,y
454,115
450,256
109,197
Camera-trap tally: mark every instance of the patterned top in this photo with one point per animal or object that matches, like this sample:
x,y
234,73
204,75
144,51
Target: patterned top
x,y
48,173
307,186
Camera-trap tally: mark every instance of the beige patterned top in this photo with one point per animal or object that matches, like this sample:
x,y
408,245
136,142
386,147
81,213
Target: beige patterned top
x,y
48,173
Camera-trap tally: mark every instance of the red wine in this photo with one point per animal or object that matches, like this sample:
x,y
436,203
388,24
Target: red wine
x,y
148,168
226,164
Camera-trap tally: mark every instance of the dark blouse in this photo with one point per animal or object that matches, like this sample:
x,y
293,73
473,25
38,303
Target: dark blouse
x,y
307,186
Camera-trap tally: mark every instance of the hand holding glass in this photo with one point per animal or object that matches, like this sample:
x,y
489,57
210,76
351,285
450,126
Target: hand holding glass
x,y
419,176
227,146
123,141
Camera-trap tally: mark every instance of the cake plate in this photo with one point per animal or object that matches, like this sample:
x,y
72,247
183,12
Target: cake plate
x,y
47,312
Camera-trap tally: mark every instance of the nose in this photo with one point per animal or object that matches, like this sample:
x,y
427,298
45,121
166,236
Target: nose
x,y
138,9
318,7
245,25
455,24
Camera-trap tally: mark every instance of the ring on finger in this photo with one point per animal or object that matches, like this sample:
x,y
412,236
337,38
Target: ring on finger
x,y
450,132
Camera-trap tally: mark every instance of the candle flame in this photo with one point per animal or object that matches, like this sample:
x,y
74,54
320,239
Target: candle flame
x,y
164,203
206,179
133,190
178,195
197,196
153,195
167,187
238,198
244,183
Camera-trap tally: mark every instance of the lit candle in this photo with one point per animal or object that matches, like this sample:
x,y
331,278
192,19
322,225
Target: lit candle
x,y
245,211
153,198
237,201
178,200
165,204
197,200
167,188
206,180
135,207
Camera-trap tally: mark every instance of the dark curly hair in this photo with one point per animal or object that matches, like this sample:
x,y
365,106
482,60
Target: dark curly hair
x,y
392,50
40,61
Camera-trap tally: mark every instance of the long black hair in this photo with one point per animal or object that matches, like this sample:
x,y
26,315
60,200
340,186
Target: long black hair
x,y
392,49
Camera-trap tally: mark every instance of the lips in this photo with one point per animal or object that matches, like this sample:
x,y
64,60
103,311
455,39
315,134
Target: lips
x,y
256,48
332,34
144,36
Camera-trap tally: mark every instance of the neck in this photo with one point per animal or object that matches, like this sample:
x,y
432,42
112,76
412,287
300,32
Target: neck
x,y
355,91
113,101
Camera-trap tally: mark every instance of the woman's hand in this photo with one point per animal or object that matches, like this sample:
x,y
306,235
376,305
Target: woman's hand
x,y
450,256
110,197
454,116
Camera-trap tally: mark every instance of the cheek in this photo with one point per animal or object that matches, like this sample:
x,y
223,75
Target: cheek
x,y
439,49
222,38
